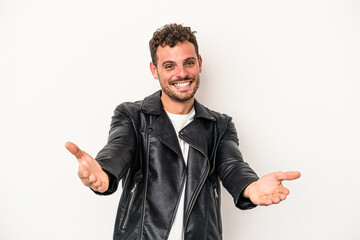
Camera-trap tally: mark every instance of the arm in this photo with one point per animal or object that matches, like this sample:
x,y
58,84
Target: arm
x,y
118,154
103,174
234,173
240,180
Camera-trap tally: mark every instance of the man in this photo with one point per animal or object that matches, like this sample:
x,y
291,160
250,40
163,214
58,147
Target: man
x,y
171,153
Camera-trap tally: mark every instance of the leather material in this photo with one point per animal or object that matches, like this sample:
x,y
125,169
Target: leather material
x,y
144,152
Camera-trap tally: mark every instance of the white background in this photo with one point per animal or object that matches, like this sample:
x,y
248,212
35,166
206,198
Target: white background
x,y
288,72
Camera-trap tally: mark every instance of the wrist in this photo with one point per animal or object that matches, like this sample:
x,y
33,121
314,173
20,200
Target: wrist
x,y
248,189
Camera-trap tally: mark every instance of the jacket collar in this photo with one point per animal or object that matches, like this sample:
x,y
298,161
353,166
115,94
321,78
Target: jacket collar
x,y
153,105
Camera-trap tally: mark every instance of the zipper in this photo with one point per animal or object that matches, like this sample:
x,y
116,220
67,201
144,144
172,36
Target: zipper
x,y
217,205
132,193
146,183
216,196
197,194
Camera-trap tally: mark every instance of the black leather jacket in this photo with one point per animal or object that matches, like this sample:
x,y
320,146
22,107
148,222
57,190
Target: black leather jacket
x,y
144,152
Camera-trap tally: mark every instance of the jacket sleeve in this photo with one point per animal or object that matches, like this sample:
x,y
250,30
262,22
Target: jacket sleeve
x,y
117,155
234,173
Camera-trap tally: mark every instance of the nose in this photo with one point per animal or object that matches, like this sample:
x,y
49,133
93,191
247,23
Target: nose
x,y
181,73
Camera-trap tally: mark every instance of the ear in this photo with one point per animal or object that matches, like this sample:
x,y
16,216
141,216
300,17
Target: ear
x,y
153,70
200,63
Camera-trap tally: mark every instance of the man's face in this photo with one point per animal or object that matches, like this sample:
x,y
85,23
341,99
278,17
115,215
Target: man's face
x,y
178,70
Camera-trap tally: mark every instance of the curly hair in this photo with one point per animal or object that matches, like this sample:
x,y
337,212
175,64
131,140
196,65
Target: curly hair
x,y
171,34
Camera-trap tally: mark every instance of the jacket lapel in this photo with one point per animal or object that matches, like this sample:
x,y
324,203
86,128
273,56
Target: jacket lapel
x,y
163,130
194,132
194,135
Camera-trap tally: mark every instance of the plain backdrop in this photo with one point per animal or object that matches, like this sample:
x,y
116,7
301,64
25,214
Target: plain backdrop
x,y
288,72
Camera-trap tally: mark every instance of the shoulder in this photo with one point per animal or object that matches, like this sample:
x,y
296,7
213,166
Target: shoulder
x,y
134,110
129,112
220,119
128,107
150,104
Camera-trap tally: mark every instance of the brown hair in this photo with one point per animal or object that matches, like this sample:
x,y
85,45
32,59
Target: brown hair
x,y
171,34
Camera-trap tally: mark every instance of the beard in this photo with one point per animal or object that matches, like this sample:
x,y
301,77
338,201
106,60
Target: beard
x,y
182,96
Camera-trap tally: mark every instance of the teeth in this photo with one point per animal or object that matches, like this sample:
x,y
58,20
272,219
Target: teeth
x,y
182,84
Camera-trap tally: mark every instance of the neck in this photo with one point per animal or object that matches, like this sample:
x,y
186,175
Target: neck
x,y
175,107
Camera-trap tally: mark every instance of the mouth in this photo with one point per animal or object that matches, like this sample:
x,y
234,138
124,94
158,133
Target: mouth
x,y
182,84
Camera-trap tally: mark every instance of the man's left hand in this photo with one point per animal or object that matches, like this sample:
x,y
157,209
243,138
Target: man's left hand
x,y
269,189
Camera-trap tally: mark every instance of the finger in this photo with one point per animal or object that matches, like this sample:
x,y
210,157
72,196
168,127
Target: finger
x,y
283,190
271,200
92,178
280,195
74,149
98,182
265,201
98,187
283,197
86,182
275,200
101,189
83,172
89,184
281,176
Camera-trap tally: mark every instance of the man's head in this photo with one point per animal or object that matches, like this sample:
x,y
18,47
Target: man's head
x,y
176,63
170,35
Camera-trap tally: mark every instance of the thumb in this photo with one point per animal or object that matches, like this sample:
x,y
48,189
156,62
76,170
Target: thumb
x,y
74,149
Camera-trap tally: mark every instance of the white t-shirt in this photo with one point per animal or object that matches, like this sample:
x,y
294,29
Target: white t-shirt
x,y
179,122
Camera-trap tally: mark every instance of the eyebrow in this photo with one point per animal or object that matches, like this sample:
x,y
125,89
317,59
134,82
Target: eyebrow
x,y
190,58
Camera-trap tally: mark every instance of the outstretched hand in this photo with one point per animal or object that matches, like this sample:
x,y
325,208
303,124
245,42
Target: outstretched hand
x,y
90,171
269,189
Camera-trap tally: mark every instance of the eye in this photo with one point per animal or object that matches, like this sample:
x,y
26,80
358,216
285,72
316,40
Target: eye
x,y
190,63
169,66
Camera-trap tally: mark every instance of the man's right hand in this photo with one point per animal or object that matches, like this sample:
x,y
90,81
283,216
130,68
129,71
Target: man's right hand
x,y
90,171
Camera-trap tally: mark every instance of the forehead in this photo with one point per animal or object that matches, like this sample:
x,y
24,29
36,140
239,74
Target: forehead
x,y
179,52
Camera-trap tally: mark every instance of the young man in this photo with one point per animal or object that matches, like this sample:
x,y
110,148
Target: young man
x,y
171,153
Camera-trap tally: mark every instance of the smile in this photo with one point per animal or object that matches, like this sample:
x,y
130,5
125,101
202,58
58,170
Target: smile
x,y
182,84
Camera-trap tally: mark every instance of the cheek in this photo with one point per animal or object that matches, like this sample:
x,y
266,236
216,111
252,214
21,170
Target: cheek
x,y
165,77
195,70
